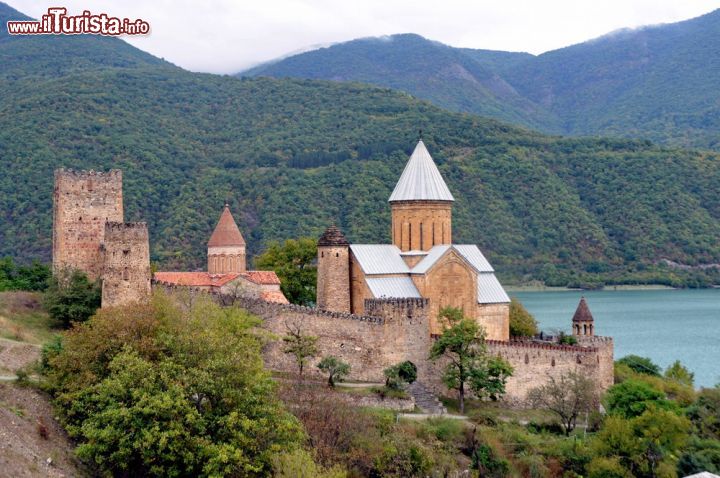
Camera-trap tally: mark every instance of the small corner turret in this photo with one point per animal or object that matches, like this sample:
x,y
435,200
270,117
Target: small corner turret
x,y
583,322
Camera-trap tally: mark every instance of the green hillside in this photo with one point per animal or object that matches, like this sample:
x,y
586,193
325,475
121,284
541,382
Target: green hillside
x,y
447,76
292,156
657,83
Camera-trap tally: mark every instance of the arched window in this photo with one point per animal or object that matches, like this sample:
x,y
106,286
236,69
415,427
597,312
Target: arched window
x,y
527,359
584,329
126,274
552,362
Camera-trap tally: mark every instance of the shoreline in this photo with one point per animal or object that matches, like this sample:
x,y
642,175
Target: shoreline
x,y
611,288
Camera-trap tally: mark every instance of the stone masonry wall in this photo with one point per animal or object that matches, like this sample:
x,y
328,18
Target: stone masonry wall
x,y
82,203
534,363
333,282
126,270
395,330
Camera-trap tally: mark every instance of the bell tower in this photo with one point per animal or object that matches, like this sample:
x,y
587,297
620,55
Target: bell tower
x,y
226,248
421,205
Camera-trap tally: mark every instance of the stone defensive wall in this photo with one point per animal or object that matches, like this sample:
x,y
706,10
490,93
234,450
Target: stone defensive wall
x,y
535,362
368,343
396,330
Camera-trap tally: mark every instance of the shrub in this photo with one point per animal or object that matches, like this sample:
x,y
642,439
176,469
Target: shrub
x,y
640,365
335,368
397,376
162,390
522,323
633,397
71,297
299,464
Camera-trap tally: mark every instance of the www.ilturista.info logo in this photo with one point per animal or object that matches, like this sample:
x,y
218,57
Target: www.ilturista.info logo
x,y
58,22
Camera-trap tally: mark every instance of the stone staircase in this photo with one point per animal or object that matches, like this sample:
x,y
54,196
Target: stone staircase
x,y
425,399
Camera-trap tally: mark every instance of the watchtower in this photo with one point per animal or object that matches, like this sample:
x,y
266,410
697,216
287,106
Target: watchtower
x,y
126,266
83,201
333,280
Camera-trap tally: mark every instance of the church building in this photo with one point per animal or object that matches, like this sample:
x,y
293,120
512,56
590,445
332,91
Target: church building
x,y
227,271
421,262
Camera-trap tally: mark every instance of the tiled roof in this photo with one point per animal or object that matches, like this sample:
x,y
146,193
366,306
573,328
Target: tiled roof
x,y
195,279
274,296
262,277
205,279
582,313
226,232
421,180
333,236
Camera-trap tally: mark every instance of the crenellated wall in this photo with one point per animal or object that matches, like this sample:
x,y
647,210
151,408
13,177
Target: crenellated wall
x,y
83,201
394,330
534,363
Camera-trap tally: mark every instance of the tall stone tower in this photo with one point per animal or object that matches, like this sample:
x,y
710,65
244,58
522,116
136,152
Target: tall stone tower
x,y
582,321
82,203
421,205
226,248
126,266
333,280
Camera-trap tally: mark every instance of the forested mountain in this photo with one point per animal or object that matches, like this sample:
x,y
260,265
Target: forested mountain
x,y
449,77
293,156
657,82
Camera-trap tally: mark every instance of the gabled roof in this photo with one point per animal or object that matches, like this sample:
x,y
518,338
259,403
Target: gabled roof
x,y
472,254
392,287
469,252
421,180
379,259
333,236
205,279
489,289
226,232
435,253
582,313
195,279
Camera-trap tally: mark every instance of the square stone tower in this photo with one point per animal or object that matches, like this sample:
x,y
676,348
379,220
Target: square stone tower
x,y
126,265
83,201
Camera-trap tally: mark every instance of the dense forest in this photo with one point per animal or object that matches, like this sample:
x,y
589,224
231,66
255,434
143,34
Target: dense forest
x,y
657,82
293,156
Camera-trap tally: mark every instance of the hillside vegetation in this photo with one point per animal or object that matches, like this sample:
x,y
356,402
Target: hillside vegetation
x,y
656,82
293,156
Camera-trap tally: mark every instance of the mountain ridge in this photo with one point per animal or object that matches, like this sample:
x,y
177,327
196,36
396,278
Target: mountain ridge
x,y
293,156
655,82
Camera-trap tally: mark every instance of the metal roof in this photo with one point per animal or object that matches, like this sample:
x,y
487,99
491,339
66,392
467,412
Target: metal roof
x,y
392,287
421,179
472,254
489,290
379,259
435,253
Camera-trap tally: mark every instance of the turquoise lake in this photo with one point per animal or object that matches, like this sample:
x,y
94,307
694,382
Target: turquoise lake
x,y
665,325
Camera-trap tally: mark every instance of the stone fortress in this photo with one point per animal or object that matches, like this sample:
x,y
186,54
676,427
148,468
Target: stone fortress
x,y
377,305
89,235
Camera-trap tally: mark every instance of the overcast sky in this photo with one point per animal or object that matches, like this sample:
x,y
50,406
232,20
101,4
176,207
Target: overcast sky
x,y
226,36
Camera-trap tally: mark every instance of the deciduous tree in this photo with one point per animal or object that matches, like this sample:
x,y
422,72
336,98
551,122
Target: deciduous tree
x,y
463,345
567,397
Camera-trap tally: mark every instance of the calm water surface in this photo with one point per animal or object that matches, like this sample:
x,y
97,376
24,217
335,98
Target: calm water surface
x,y
665,325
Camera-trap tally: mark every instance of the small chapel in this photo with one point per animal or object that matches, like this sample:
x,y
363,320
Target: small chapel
x,y
227,268
421,262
